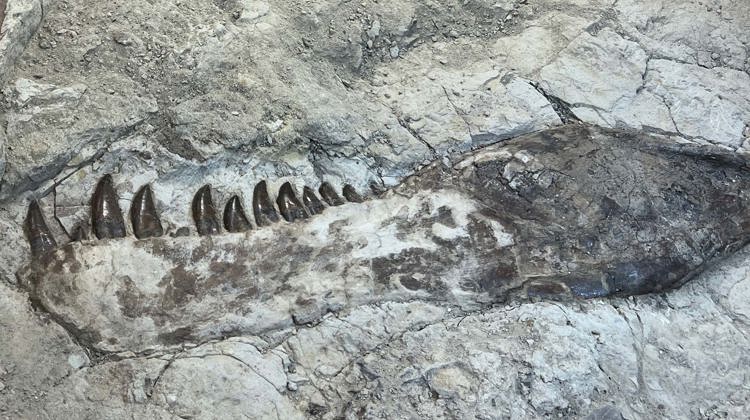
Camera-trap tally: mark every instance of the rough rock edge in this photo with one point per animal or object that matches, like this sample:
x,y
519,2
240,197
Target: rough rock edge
x,y
19,20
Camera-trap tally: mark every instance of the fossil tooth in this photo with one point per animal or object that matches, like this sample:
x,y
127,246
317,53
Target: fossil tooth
x,y
351,194
204,212
80,233
234,216
289,205
263,209
311,201
106,215
143,216
330,195
39,236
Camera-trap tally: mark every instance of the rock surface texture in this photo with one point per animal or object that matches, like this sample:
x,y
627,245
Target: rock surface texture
x,y
179,94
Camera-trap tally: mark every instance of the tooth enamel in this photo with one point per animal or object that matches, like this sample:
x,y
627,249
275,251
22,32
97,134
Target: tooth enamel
x,y
330,195
204,212
289,205
263,209
234,216
38,234
106,216
80,233
143,216
351,194
311,201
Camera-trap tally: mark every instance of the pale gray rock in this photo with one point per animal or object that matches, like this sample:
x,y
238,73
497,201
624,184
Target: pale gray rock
x,y
596,71
229,92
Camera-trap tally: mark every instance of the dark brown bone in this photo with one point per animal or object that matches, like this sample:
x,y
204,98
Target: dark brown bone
x,y
204,212
234,216
38,234
143,216
106,216
330,195
265,213
311,201
289,205
351,194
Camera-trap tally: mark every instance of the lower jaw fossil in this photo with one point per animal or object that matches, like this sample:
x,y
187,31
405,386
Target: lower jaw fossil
x,y
570,212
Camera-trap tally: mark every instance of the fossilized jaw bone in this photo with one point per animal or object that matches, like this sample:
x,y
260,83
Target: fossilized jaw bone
x,y
572,211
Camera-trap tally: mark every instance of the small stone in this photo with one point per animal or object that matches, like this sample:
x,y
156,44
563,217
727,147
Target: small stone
x,y
78,360
394,52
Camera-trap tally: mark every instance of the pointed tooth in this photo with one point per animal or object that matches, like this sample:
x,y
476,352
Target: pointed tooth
x,y
351,194
106,216
80,233
38,234
289,205
311,201
143,216
234,216
204,212
330,195
263,209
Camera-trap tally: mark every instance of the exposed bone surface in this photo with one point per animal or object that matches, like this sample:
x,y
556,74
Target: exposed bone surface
x,y
573,211
179,94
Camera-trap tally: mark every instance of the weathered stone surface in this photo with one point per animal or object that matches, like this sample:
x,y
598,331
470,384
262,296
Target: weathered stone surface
x,y
575,211
356,92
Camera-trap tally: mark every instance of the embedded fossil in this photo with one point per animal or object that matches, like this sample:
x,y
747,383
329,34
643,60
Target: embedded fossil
x,y
573,211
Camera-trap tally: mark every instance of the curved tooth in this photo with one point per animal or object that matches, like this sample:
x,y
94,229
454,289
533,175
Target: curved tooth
x,y
311,201
263,208
330,195
289,205
351,194
80,233
106,216
234,216
38,234
204,212
143,216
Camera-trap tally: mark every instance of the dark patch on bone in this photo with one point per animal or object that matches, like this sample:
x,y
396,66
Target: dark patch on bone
x,y
445,217
133,303
411,266
545,289
179,287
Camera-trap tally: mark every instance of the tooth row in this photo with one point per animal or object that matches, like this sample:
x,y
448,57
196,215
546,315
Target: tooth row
x,y
108,222
289,206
